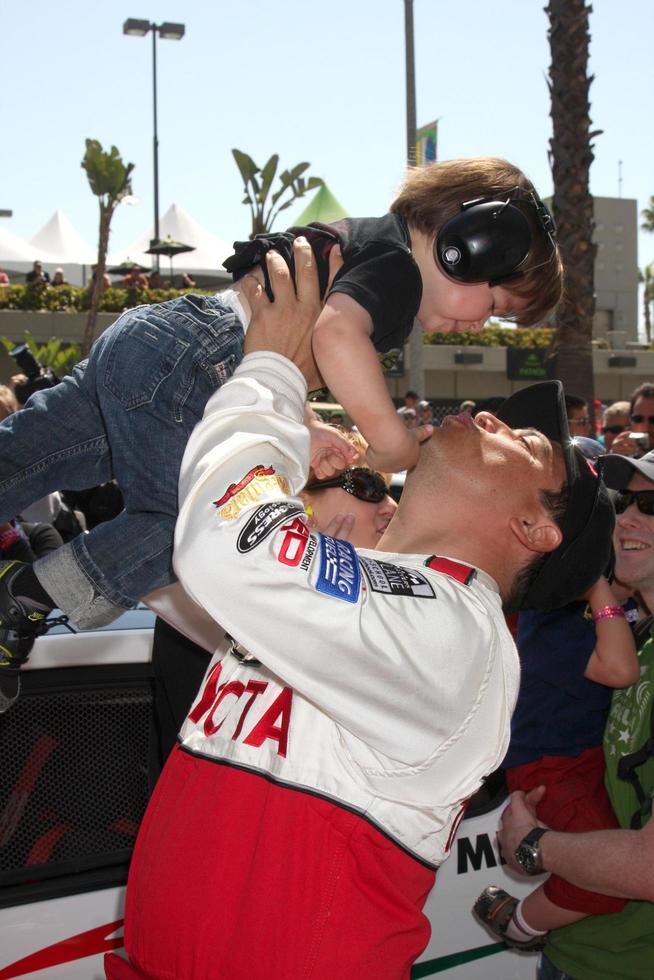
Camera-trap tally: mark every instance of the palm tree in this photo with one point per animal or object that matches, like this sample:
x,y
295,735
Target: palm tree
x,y
571,156
257,184
647,214
109,179
647,278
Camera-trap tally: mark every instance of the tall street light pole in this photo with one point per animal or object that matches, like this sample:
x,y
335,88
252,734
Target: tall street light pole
x,y
416,347
170,32
410,84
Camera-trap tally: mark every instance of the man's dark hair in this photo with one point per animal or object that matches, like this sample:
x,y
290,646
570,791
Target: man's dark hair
x,y
574,401
556,503
642,391
411,394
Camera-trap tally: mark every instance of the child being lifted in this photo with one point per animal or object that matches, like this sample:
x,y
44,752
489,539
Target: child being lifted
x,y
464,240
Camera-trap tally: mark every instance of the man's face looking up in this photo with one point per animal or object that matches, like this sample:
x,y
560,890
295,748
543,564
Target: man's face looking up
x,y
486,468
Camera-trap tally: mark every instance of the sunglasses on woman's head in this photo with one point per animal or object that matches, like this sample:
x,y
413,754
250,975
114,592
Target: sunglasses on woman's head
x,y
366,485
644,499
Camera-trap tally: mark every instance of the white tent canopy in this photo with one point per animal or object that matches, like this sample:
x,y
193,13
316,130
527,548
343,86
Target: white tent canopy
x,y
15,251
209,250
59,238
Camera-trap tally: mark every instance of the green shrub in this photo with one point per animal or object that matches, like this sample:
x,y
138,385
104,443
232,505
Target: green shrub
x,y
495,336
75,299
11,297
54,354
61,299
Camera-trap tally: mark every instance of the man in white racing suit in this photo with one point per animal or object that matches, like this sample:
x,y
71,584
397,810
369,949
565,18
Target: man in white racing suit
x,y
360,697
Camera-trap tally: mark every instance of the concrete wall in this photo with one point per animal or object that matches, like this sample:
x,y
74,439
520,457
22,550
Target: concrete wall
x,y
446,379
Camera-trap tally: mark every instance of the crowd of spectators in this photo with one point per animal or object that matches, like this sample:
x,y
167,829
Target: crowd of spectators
x,y
136,278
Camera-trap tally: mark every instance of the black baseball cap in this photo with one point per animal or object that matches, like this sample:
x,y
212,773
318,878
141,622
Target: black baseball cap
x,y
587,526
617,470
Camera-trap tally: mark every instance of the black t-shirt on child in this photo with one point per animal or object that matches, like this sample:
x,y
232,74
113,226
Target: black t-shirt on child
x,y
378,269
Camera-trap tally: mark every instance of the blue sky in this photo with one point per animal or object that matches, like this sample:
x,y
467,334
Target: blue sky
x,y
284,77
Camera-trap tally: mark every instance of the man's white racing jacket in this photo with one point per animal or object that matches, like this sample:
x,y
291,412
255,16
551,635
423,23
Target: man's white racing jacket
x,y
382,683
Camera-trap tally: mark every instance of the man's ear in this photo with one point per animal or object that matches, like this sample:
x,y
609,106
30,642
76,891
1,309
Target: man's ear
x,y
541,536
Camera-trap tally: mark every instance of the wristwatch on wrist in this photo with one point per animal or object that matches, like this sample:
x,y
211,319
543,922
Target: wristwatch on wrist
x,y
528,854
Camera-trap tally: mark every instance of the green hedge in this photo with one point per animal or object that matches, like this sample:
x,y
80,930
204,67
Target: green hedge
x,y
74,299
494,336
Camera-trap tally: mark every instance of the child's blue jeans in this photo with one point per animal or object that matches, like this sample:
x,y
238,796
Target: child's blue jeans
x,y
125,413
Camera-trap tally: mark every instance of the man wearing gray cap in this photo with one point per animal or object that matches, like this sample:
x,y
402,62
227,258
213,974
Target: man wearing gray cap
x,y
614,862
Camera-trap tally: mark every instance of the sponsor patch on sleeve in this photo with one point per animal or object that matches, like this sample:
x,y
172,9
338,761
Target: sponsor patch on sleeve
x,y
339,574
257,483
263,522
396,580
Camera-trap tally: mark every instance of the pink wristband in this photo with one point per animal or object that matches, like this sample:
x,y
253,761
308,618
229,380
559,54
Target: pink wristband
x,y
9,537
609,612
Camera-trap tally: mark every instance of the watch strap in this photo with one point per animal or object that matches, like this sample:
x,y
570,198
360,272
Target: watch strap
x,y
533,836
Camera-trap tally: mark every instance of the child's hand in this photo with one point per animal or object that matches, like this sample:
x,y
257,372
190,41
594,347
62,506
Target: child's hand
x,y
401,456
340,526
331,451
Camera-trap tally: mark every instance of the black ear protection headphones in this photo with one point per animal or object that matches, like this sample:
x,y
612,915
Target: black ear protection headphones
x,y
489,240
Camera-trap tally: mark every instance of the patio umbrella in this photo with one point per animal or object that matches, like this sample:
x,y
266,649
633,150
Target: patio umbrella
x,y
168,246
125,267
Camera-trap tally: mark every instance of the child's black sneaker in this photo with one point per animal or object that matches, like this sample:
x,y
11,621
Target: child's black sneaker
x,y
494,908
22,619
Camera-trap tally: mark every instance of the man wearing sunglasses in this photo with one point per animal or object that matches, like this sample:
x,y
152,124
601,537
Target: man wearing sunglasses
x,y
362,695
614,862
615,420
640,435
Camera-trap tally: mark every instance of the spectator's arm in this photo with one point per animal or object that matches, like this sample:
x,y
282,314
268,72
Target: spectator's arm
x,y
612,862
614,661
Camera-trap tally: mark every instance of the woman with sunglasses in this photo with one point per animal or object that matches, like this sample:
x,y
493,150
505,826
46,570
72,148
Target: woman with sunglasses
x,y
354,505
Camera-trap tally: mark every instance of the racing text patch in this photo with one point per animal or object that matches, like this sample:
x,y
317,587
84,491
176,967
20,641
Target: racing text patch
x,y
339,573
264,520
396,580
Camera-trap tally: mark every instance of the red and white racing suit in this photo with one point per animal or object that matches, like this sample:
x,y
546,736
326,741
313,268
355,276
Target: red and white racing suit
x,y
358,701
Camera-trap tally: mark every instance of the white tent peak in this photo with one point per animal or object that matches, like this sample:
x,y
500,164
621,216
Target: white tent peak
x,y
15,250
209,250
60,239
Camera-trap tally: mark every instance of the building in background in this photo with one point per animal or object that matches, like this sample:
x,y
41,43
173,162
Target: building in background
x,y
616,270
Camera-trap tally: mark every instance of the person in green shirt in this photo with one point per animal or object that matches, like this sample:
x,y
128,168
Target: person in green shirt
x,y
615,862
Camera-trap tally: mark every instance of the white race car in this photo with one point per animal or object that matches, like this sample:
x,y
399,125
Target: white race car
x,y
74,786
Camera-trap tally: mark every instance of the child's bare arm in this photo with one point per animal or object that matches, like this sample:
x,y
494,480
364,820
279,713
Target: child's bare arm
x,y
614,661
348,362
